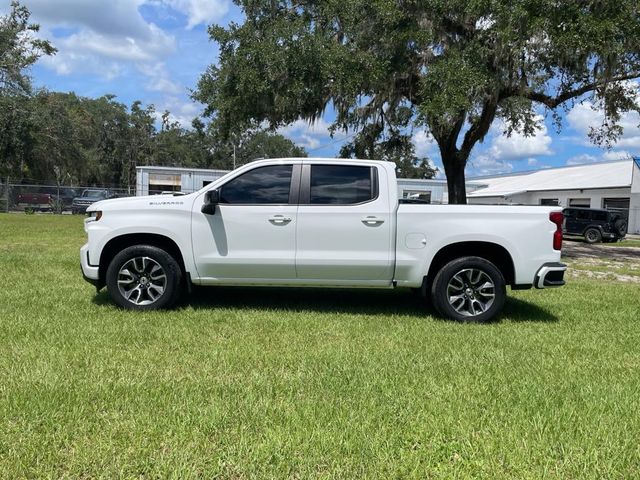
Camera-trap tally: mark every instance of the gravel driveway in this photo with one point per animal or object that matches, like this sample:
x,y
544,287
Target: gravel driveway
x,y
616,263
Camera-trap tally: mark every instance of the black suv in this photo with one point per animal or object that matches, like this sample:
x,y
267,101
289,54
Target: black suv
x,y
594,225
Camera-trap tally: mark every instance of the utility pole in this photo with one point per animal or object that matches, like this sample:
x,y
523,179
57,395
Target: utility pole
x,y
234,154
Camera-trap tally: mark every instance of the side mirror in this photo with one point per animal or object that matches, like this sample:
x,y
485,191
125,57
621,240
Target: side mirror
x,y
211,199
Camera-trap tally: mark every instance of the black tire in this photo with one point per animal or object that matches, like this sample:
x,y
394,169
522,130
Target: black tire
x,y
621,226
592,235
444,282
158,262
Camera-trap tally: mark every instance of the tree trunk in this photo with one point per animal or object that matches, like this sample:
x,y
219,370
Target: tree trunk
x,y
454,170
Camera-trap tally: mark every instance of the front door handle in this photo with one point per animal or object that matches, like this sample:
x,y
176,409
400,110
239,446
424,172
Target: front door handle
x,y
372,221
279,219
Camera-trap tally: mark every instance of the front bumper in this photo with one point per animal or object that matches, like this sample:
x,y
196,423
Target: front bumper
x,y
89,272
79,208
550,275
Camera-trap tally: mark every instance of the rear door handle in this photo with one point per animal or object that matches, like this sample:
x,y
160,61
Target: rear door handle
x,y
279,219
372,221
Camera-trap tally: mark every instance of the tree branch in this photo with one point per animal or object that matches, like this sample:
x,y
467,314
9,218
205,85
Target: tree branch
x,y
481,126
446,133
553,102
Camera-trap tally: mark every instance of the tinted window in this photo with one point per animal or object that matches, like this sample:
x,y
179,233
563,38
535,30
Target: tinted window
x,y
600,216
583,215
94,194
260,185
340,184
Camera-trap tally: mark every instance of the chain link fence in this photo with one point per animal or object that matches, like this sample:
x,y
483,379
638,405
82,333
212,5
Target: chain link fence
x,y
4,195
60,199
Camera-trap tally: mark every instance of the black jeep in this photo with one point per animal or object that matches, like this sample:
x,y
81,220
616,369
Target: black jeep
x,y
594,225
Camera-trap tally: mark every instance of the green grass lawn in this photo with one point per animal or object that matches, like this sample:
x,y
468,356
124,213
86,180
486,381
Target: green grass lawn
x,y
265,383
630,242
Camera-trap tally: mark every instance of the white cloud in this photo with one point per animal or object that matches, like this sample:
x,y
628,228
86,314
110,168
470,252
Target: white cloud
x,y
164,85
199,11
502,150
115,18
608,156
518,146
155,44
425,144
69,62
105,38
616,155
585,116
121,17
159,78
487,165
309,135
180,111
583,158
308,142
320,127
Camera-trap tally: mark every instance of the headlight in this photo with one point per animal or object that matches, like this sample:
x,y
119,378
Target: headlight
x,y
94,216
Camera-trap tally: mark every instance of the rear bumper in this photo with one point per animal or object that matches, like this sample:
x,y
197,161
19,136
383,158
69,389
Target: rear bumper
x,y
550,275
89,272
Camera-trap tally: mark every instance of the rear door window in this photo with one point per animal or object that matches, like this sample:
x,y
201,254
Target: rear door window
x,y
342,184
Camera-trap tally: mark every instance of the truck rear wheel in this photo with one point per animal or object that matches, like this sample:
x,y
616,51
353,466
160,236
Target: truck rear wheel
x,y
469,289
144,277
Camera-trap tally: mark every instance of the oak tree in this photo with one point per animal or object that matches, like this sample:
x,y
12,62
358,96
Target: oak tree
x,y
451,66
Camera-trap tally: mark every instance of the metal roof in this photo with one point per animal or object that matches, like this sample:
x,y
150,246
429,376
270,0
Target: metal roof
x,y
617,174
179,169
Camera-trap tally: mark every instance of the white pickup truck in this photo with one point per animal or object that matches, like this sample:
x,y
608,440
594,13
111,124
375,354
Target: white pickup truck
x,y
319,222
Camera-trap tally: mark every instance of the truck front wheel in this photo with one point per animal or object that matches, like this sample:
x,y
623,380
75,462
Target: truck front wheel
x,y
469,289
144,277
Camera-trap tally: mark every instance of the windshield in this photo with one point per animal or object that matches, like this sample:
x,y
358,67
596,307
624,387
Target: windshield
x,y
93,194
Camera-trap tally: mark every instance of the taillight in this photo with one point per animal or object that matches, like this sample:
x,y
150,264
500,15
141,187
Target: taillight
x,y
557,218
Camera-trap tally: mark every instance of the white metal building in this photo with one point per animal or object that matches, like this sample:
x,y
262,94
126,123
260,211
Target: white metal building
x,y
155,180
611,185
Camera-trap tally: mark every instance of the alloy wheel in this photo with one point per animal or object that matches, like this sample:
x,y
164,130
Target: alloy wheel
x,y
471,292
142,280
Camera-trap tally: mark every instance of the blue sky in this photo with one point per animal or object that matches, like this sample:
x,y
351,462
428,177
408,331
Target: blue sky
x,y
155,51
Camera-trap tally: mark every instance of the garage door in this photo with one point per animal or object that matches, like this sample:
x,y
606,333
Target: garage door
x,y
617,204
580,202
